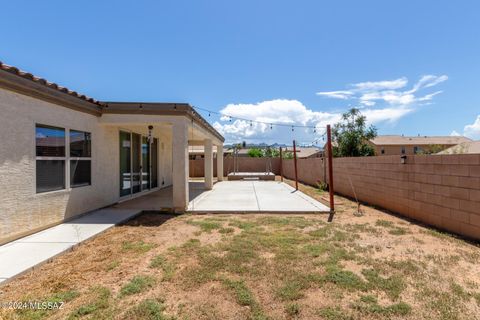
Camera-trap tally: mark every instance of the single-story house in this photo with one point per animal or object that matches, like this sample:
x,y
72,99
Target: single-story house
x,y
306,152
399,145
198,152
470,147
64,154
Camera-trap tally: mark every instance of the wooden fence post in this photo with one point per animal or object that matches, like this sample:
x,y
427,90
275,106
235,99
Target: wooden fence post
x,y
330,171
281,165
295,164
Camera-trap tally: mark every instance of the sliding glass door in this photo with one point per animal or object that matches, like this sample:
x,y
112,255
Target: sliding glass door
x,y
138,163
154,163
146,169
125,164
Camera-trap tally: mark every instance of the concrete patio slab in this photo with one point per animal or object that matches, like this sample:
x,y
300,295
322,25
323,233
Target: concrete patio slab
x,y
26,253
254,196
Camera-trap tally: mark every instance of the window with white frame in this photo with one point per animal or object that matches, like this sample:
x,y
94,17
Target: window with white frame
x,y
50,158
54,157
80,158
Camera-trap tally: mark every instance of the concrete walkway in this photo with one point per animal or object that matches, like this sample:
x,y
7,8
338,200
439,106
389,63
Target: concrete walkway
x,y
22,255
254,197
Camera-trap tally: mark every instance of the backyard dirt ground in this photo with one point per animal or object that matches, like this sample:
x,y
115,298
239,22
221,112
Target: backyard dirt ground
x,y
253,266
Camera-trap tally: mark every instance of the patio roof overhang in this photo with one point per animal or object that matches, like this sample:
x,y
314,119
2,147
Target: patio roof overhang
x,y
161,109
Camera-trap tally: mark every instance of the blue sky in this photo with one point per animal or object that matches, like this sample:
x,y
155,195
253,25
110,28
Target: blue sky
x,y
263,60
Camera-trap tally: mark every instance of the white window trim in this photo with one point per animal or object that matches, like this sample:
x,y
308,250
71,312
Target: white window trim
x,y
67,158
70,158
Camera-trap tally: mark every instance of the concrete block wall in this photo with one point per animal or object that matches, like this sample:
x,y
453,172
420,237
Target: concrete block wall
x,y
245,164
309,171
443,191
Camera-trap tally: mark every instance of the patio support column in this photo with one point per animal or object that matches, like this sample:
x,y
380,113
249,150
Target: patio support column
x,y
219,162
180,165
208,164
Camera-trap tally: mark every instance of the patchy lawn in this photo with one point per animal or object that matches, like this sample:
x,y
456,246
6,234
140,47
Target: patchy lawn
x,y
374,266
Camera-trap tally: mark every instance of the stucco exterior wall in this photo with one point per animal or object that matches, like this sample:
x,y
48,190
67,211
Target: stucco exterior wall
x,y
22,210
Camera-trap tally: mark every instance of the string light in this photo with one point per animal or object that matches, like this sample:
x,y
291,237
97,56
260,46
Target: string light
x,y
230,118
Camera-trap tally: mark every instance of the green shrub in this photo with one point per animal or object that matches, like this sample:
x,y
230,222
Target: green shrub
x,y
137,285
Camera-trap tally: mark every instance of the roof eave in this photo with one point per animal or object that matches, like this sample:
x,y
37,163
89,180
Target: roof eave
x,y
47,92
155,108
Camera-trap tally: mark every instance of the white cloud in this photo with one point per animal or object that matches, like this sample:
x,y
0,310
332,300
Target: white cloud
x,y
340,94
288,112
455,134
473,130
427,81
279,111
381,85
385,114
381,101
389,92
429,97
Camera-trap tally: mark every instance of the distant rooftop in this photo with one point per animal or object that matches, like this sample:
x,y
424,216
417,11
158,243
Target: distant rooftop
x,y
419,140
463,148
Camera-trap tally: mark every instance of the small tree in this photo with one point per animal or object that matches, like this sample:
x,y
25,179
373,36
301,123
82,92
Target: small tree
x,y
351,135
255,153
432,149
287,155
270,152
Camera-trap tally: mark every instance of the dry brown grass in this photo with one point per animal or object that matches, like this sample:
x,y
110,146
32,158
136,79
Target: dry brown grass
x,y
375,266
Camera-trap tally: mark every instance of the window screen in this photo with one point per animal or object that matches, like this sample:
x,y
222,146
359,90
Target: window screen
x,y
80,173
50,175
50,152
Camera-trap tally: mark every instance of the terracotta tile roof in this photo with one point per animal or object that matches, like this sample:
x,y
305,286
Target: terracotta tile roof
x,y
45,82
418,140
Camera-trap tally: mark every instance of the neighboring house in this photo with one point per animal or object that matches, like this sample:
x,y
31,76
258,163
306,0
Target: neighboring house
x,y
306,152
198,152
64,154
463,148
399,145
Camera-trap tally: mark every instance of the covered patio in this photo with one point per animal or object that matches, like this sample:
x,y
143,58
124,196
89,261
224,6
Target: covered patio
x,y
168,129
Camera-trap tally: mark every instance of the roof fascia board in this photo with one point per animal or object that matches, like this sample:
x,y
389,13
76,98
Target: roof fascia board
x,y
32,89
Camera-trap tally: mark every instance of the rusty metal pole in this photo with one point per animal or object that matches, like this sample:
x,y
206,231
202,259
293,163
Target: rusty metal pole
x,y
295,164
281,165
330,171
